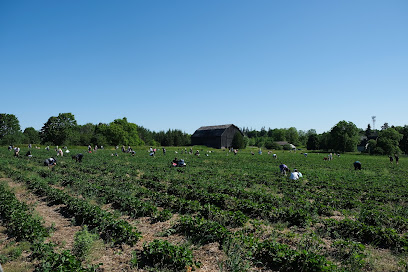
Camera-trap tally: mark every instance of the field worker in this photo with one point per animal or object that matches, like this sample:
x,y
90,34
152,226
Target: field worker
x,y
78,157
283,169
391,159
133,152
59,152
305,154
89,149
16,151
28,154
396,158
197,153
164,151
260,152
50,162
174,162
295,175
357,165
275,156
181,163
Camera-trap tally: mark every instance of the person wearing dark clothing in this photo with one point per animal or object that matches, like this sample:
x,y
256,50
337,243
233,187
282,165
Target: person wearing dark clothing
x,y
357,165
78,157
391,159
396,158
50,162
283,168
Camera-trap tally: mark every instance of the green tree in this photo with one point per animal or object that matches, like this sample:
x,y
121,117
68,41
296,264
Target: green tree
x,y
292,135
86,133
388,140
344,136
403,144
60,130
10,132
368,131
31,135
238,141
325,141
371,146
312,142
279,134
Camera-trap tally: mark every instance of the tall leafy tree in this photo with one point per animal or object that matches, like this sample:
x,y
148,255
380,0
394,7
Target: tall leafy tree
x,y
368,131
388,140
403,144
292,135
313,142
60,129
31,135
344,136
238,141
10,132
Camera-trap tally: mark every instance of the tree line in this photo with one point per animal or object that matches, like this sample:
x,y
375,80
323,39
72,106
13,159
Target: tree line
x,y
343,137
64,130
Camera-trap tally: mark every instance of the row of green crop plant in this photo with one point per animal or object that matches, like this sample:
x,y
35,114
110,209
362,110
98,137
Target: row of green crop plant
x,y
263,253
111,229
24,226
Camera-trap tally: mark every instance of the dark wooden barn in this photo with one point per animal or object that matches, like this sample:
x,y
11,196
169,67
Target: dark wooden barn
x,y
215,136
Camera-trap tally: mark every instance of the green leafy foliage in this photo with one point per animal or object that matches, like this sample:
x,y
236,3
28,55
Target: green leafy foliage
x,y
162,254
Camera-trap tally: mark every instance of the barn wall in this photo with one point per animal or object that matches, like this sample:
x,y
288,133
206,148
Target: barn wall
x,y
228,136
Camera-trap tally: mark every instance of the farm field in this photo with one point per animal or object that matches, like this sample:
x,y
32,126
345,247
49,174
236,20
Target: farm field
x,y
223,212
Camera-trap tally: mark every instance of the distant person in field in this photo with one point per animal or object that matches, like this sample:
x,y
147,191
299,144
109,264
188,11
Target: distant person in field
x,y
16,151
59,152
357,165
89,149
164,151
275,156
28,154
51,162
197,153
391,159
178,163
295,175
396,158
283,169
78,157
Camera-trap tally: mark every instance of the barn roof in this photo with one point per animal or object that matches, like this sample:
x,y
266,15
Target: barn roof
x,y
212,131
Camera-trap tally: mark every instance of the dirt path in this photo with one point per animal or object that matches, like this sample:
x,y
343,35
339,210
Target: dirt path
x,y
116,258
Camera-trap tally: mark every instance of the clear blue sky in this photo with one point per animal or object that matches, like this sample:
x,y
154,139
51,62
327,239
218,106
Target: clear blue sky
x,y
183,64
